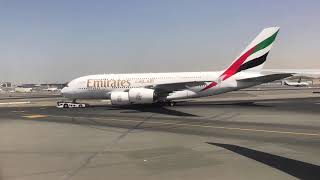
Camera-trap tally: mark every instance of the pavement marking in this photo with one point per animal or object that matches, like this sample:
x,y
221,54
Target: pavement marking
x,y
195,125
11,103
34,116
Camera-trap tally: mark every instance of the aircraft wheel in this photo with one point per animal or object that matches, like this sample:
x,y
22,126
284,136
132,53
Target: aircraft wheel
x,y
172,103
65,106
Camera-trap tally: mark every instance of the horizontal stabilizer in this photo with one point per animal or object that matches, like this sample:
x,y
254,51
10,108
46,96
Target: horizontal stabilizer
x,y
262,79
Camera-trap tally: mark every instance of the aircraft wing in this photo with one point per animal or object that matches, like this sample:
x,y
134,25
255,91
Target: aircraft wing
x,y
170,87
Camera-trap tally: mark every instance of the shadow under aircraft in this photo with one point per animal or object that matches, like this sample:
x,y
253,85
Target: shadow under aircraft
x,y
225,103
298,169
161,109
151,108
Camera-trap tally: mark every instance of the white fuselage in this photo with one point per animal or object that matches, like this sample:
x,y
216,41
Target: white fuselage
x,y
101,86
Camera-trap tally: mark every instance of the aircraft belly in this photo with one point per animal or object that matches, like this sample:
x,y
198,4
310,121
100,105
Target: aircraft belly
x,y
181,95
92,94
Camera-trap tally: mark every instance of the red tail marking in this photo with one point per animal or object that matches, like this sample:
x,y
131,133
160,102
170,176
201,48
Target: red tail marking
x,y
209,86
236,65
233,68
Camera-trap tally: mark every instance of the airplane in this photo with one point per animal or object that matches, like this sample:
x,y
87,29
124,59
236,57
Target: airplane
x,y
296,84
22,90
165,88
53,89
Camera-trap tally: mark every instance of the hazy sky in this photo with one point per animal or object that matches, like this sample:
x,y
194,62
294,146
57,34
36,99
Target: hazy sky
x,y
58,40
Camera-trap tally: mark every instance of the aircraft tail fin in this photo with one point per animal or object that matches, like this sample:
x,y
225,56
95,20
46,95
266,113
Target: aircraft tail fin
x,y
255,54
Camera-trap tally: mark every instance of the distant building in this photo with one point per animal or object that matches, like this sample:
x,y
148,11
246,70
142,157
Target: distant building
x,y
53,85
5,84
28,86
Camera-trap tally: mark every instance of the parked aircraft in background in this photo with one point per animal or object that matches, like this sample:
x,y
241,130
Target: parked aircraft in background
x,y
54,89
22,90
146,88
296,84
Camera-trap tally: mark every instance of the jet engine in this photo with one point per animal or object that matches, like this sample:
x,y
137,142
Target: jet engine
x,y
133,96
141,96
119,98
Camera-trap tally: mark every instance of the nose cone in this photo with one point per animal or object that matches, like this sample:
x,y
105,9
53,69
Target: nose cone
x,y
65,92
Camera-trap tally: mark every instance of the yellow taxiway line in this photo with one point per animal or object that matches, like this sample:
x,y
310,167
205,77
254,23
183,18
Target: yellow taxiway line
x,y
34,116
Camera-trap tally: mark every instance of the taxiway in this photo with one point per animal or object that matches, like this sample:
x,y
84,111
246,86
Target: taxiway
x,y
242,135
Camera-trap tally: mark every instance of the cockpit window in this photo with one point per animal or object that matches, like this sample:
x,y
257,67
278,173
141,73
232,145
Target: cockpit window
x,y
71,83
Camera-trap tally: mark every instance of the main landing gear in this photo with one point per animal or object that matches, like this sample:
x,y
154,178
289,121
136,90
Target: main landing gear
x,y
73,104
171,103
166,103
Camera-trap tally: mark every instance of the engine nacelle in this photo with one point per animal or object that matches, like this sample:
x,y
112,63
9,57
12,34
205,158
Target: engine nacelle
x,y
120,98
134,96
141,96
